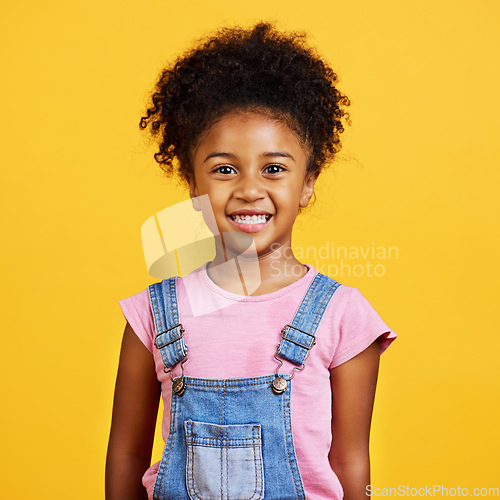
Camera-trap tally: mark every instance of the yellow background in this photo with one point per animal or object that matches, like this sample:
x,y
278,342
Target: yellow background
x,y
419,171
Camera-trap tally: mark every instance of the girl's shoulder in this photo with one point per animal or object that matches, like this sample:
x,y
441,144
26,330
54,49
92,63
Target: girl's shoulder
x,y
357,325
137,311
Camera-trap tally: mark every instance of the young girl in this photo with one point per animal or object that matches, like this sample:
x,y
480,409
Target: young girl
x,y
267,368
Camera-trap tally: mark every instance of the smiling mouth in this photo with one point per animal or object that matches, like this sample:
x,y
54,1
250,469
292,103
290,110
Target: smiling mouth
x,y
251,219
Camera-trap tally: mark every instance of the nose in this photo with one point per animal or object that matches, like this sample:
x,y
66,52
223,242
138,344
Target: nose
x,y
249,188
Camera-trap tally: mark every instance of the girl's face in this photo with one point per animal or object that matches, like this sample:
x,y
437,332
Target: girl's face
x,y
253,170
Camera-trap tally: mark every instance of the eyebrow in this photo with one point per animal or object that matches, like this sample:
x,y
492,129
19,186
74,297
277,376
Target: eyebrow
x,y
270,154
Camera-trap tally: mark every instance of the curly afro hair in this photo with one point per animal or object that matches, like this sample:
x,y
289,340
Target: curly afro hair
x,y
259,69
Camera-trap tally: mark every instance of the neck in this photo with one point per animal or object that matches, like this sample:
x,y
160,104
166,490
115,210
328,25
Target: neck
x,y
256,274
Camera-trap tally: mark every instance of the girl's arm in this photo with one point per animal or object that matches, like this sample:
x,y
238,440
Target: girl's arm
x,y
135,409
353,392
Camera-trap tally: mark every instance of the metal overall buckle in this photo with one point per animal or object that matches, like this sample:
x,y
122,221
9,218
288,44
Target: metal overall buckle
x,y
181,330
280,383
178,384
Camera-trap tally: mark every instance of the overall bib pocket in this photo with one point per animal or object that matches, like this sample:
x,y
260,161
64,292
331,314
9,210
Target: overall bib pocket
x,y
224,461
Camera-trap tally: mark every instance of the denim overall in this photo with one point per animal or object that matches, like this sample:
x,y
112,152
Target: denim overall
x,y
231,439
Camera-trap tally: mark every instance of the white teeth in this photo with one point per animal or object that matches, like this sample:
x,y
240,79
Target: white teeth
x,y
251,219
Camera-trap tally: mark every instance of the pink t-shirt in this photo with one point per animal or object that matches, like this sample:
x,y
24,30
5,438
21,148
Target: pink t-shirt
x,y
238,338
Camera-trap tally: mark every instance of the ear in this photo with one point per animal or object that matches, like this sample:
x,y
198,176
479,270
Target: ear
x,y
193,194
307,190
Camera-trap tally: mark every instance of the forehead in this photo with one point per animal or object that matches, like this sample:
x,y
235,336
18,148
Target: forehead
x,y
247,131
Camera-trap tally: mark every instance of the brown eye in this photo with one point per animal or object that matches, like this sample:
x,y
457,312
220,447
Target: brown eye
x,y
224,169
274,169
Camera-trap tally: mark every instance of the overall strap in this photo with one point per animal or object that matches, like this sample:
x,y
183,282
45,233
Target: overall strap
x,y
299,335
169,337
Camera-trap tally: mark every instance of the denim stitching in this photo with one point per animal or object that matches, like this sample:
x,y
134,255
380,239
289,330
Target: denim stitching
x,y
255,444
152,301
227,437
286,444
220,406
254,464
195,493
224,392
226,447
217,443
298,314
221,480
303,307
288,430
193,487
212,383
167,291
257,463
189,471
172,304
175,313
330,287
220,432
324,300
169,443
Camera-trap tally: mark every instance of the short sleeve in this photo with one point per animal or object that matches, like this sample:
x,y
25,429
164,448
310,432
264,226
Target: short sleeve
x,y
359,327
137,311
